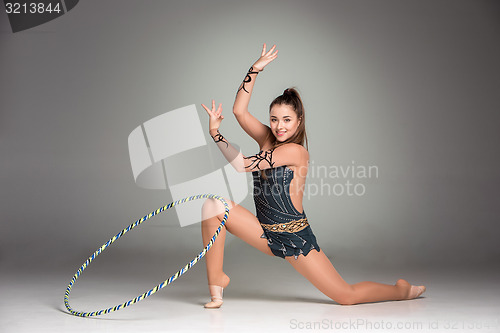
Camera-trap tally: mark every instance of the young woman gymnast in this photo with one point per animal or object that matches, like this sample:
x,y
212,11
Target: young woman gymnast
x,y
279,173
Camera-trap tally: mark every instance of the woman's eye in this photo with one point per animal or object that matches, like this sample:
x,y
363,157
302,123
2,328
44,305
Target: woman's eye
x,y
273,119
287,120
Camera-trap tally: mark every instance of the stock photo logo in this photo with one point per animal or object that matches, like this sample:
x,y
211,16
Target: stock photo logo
x,y
170,152
350,179
24,15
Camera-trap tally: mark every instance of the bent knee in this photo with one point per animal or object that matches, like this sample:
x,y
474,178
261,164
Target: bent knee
x,y
215,208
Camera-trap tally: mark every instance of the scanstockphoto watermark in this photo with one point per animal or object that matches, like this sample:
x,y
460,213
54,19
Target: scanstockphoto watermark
x,y
349,179
356,324
352,324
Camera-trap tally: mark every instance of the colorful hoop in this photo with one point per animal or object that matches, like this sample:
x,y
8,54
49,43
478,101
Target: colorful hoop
x,y
161,285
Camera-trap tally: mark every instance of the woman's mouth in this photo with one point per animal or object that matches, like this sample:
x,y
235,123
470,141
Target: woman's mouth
x,y
280,133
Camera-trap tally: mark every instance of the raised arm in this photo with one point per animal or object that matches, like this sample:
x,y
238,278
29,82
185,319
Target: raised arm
x,y
251,125
288,154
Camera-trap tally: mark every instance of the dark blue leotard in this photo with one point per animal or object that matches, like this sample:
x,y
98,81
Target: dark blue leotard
x,y
276,214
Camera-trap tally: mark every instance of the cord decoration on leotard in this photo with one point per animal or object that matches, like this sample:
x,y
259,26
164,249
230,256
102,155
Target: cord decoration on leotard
x,y
247,80
242,163
219,138
260,157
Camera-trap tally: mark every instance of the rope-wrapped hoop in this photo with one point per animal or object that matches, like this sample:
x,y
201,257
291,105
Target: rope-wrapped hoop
x,y
161,285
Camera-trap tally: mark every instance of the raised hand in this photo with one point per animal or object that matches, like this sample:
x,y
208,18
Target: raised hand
x,y
215,116
265,58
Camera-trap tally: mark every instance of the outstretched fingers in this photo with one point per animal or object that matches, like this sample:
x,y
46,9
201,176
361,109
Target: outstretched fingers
x,y
213,111
271,51
207,109
219,109
273,56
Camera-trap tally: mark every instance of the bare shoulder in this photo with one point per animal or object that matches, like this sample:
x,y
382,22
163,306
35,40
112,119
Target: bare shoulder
x,y
294,148
295,153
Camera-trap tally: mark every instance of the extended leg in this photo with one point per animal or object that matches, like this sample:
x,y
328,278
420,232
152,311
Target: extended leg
x,y
317,268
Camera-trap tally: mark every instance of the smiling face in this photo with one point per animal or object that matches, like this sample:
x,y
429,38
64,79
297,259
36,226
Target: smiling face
x,y
283,121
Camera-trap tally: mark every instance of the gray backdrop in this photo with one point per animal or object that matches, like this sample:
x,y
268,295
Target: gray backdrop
x,y
410,87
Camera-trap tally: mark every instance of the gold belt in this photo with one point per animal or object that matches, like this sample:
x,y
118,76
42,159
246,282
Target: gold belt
x,y
292,226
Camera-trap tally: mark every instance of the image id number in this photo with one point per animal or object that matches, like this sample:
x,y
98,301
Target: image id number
x,y
32,8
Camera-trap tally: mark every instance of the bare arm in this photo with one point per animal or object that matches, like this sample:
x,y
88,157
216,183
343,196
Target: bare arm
x,y
251,125
288,154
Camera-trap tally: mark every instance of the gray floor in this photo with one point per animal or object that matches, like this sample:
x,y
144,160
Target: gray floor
x,y
272,298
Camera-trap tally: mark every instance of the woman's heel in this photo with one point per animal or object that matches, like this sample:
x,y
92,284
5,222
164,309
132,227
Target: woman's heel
x,y
216,293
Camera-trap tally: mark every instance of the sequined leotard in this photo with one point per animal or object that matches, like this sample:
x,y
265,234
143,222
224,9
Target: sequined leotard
x,y
287,231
